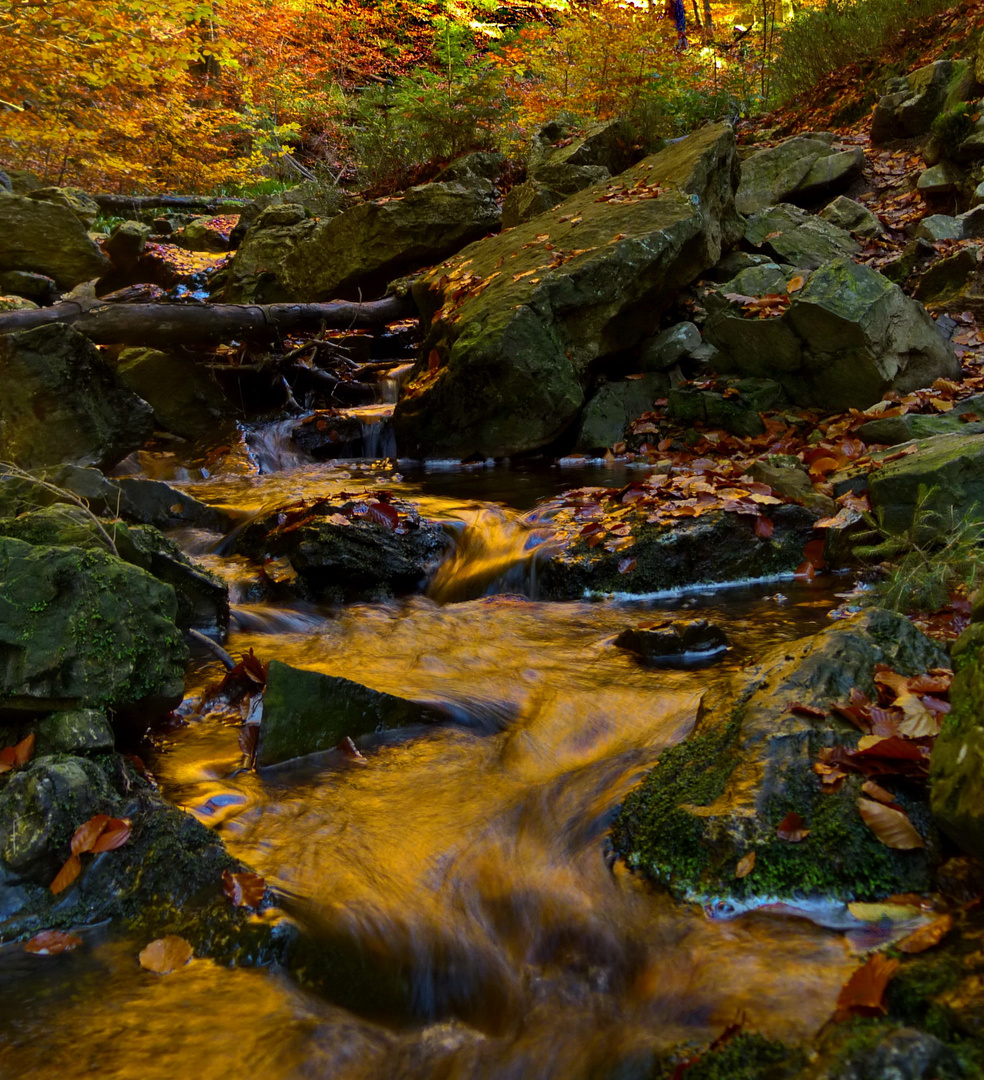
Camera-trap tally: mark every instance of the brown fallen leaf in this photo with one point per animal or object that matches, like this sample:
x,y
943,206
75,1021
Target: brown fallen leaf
x,y
891,826
763,527
746,864
52,943
811,711
114,835
863,992
244,890
85,835
927,936
68,873
166,954
792,828
878,793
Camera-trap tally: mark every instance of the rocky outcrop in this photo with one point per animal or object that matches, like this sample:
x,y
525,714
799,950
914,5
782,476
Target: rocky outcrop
x,y
721,794
519,322
846,337
48,239
794,237
803,169
82,205
614,405
363,247
913,102
63,403
546,188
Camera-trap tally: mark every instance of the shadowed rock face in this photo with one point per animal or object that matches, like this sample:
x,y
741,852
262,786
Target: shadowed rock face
x,y
520,321
48,239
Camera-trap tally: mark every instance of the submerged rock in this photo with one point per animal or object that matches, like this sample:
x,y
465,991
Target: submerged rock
x,y
307,711
518,321
63,403
722,793
673,638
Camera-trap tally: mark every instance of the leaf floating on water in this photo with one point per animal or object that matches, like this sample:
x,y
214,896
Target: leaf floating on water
x,y
927,936
166,954
792,828
863,992
746,864
52,943
891,826
68,873
244,890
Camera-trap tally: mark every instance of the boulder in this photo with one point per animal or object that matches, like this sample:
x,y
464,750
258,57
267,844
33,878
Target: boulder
x,y
203,234
81,627
518,321
82,205
947,276
37,287
715,547
939,227
956,772
548,186
48,239
306,711
792,236
63,403
852,217
799,169
74,731
315,199
17,303
613,406
847,337
735,406
669,347
939,181
673,639
913,102
721,794
609,144
788,477
126,244
343,549
892,430
479,165
366,246
185,401
251,277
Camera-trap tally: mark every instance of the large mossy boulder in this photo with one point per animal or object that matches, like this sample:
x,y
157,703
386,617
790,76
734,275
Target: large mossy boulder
x,y
82,627
367,245
252,276
62,402
82,205
519,321
914,101
956,771
546,188
721,794
847,337
802,169
794,237
48,239
308,711
614,405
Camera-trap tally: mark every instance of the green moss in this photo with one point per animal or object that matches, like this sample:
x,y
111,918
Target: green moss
x,y
748,1056
953,126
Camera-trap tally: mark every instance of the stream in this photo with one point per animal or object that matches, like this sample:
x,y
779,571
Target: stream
x,y
463,870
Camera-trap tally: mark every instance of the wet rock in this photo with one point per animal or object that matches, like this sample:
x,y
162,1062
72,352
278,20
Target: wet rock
x,y
736,406
84,628
792,236
723,791
37,287
82,205
152,502
47,239
799,169
203,234
715,547
791,479
852,217
673,638
74,731
913,102
306,711
126,244
614,405
348,548
369,244
63,403
668,348
519,320
847,337
906,1054
185,401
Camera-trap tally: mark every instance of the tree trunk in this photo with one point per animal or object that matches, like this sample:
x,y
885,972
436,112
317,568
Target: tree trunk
x,y
205,324
132,204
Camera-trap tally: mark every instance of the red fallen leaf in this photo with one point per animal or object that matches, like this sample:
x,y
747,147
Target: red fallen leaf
x,y
806,710
52,943
244,890
893,748
383,514
792,828
166,954
763,527
863,992
114,835
433,360
927,936
626,566
249,737
931,684
24,750
813,554
805,570
86,835
891,826
853,715
68,873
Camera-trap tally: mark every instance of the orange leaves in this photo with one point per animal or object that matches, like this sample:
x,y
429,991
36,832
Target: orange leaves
x,y
890,825
100,833
166,954
12,757
244,890
863,993
52,943
746,864
927,936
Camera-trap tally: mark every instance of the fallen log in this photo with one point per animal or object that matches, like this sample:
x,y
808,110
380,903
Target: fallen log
x,y
205,324
133,204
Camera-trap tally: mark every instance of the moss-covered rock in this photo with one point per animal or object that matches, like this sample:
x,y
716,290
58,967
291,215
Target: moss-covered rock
x,y
794,237
47,239
722,793
614,405
83,627
520,321
63,403
913,102
82,205
804,168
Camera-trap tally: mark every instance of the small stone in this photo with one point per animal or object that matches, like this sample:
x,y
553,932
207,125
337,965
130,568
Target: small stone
x,y
938,227
939,180
669,347
847,214
75,731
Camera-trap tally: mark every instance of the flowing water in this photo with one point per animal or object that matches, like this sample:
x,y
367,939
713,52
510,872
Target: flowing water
x,y
463,870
